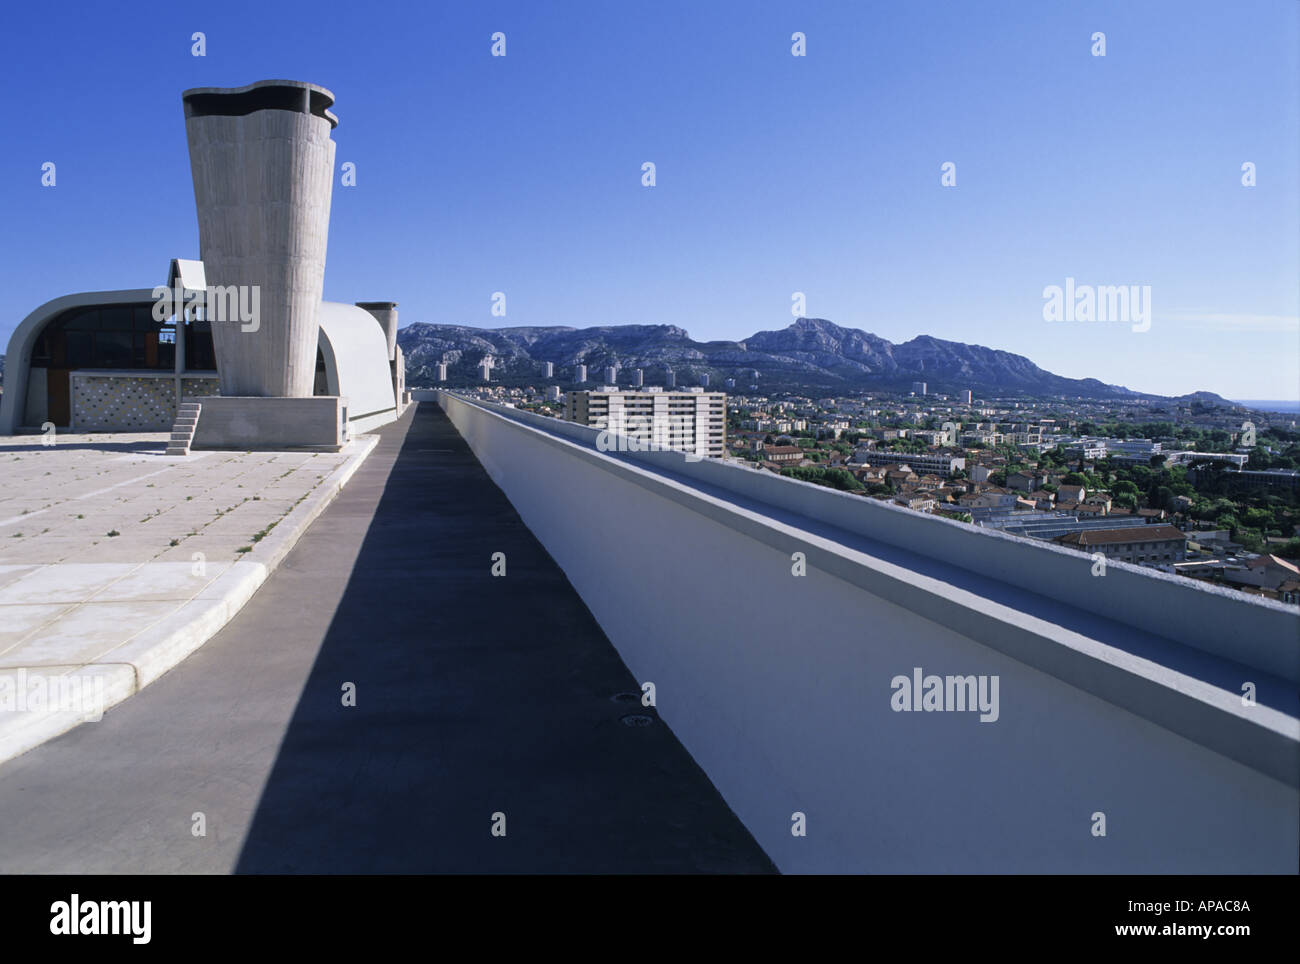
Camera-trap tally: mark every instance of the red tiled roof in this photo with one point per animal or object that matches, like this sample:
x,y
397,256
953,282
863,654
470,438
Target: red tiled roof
x,y
1111,537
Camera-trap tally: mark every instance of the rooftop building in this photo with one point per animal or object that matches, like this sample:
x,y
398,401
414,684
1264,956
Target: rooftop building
x,y
1163,544
239,337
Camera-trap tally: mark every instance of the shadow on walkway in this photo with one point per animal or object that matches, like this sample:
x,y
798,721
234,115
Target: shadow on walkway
x,y
475,695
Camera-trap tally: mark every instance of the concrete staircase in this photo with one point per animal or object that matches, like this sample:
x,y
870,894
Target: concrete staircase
x,y
187,420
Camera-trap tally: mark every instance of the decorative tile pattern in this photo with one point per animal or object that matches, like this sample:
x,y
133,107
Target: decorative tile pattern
x,y
131,403
197,387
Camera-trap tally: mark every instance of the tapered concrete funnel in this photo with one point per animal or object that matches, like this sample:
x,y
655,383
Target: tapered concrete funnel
x,y
263,163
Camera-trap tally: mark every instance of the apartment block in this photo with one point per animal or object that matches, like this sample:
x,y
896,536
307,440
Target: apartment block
x,y
936,463
692,421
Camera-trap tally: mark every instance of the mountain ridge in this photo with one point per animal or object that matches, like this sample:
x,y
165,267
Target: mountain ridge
x,y
810,355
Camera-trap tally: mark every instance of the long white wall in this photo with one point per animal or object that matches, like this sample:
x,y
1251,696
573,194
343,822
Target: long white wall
x,y
780,685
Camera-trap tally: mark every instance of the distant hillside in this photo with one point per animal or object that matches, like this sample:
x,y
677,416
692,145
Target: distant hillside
x,y
812,355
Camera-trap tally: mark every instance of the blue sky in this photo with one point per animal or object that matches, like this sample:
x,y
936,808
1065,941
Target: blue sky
x,y
775,173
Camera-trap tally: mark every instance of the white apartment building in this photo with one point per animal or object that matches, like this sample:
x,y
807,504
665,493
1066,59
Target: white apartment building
x,y
692,420
980,438
1086,449
930,463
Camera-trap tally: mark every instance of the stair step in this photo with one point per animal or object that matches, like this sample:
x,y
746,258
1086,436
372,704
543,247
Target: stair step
x,y
181,436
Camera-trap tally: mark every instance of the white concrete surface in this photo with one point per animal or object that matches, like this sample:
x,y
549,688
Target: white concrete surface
x,y
194,539
357,365
264,423
781,685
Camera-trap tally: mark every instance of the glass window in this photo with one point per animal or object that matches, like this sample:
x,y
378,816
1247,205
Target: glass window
x,y
79,349
113,349
107,336
87,320
199,353
115,318
143,318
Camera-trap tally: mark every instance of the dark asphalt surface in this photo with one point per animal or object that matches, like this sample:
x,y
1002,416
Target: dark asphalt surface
x,y
475,695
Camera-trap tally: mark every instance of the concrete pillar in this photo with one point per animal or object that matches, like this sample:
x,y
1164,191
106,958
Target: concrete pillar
x,y
179,351
263,167
385,313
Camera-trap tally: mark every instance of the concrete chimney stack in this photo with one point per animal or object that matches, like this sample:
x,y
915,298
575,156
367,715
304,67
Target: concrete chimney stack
x,y
263,166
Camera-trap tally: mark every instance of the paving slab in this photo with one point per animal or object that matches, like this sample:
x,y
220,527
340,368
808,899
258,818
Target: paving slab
x,y
124,564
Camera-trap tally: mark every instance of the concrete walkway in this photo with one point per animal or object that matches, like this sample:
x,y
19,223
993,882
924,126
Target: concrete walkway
x,y
117,562
475,695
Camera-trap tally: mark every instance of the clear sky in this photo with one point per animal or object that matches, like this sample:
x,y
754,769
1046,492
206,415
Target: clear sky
x,y
775,174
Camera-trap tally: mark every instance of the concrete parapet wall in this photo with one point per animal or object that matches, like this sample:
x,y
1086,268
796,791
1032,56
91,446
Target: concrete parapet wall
x,y
1256,632
782,686
254,423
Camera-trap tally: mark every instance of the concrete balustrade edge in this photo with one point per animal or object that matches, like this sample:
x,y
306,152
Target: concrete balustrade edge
x,y
1262,633
1258,736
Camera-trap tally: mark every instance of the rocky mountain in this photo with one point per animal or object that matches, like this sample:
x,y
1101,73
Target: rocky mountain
x,y
812,355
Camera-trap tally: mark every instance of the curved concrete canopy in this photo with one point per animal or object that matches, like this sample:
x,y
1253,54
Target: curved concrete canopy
x,y
384,312
356,364
18,357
